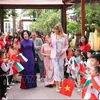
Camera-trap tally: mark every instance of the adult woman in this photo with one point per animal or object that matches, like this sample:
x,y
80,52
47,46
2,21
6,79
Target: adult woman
x,y
45,51
28,74
84,46
59,45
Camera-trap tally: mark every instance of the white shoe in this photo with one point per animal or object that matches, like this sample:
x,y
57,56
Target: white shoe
x,y
5,93
79,90
12,84
59,87
4,98
9,88
7,98
57,90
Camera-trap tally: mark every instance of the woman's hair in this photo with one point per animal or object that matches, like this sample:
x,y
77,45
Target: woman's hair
x,y
38,33
1,53
86,41
84,55
22,34
59,28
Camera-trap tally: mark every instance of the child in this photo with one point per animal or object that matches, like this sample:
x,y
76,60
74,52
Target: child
x,y
95,60
95,89
77,59
68,65
3,72
82,74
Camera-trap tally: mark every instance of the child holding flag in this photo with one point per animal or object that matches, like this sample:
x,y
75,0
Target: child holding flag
x,y
94,78
4,71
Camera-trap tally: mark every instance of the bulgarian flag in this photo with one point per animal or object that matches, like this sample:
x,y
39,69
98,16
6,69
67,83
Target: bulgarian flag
x,y
86,92
75,64
67,87
88,82
22,58
17,67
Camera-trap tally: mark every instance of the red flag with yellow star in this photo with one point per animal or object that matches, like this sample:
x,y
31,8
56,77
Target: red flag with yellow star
x,y
67,87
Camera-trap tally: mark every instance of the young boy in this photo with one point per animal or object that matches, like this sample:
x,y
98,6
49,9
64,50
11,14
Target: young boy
x,y
4,71
95,60
95,86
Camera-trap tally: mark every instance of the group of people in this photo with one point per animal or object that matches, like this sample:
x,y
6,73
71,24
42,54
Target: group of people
x,y
49,53
83,66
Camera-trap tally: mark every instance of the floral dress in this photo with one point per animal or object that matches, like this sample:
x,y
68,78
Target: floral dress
x,y
58,62
49,69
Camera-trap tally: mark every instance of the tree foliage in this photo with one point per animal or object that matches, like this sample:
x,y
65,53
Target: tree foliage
x,y
46,20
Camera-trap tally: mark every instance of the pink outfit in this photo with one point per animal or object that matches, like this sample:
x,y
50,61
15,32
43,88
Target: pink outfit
x,y
49,69
53,46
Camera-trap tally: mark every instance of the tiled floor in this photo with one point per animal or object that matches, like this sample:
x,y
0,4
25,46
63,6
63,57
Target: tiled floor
x,y
38,93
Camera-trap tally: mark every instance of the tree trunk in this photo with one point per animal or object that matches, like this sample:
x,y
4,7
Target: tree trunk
x,y
14,21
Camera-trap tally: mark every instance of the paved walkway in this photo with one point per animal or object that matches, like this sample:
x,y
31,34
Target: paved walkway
x,y
40,92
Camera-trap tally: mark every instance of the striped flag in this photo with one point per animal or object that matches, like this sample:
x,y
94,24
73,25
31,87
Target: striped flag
x,y
74,67
86,94
17,67
96,82
88,82
22,58
75,64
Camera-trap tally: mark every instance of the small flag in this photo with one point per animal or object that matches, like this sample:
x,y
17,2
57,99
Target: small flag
x,y
94,94
88,82
82,68
75,64
17,67
96,84
22,58
67,87
86,94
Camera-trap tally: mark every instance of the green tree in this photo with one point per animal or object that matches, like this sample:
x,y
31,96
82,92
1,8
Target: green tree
x,y
46,21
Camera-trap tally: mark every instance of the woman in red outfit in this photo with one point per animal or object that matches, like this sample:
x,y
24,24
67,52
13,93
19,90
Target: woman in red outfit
x,y
84,46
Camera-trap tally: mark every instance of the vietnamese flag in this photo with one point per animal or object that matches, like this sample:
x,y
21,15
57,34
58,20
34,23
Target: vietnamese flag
x,y
67,87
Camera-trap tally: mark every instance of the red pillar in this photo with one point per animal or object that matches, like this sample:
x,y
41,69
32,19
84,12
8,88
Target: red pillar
x,y
63,17
1,20
82,17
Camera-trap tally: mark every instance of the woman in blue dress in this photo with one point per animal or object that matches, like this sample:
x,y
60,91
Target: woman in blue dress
x,y
28,74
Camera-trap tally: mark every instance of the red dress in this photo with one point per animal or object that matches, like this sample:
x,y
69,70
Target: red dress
x,y
85,48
